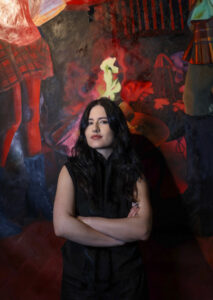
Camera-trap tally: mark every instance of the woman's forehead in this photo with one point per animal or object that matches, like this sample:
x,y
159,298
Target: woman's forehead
x,y
97,112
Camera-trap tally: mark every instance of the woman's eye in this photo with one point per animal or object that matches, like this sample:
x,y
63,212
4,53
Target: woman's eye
x,y
90,123
104,122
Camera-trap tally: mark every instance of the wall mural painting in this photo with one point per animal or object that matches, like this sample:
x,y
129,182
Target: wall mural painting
x,y
56,56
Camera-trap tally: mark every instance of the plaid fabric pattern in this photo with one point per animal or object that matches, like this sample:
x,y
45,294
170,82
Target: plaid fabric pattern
x,y
18,62
200,49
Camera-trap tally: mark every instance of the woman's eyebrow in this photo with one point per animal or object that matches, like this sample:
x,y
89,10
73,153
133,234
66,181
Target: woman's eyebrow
x,y
100,118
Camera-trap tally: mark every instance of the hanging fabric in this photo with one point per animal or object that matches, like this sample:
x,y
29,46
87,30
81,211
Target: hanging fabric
x,y
87,2
203,10
44,10
16,25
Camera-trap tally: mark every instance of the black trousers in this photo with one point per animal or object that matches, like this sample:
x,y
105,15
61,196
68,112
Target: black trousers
x,y
131,288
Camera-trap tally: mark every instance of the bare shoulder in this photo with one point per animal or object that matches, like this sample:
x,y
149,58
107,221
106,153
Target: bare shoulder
x,y
64,175
142,193
64,199
142,186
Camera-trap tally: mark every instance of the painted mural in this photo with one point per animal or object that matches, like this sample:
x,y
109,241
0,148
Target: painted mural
x,y
151,58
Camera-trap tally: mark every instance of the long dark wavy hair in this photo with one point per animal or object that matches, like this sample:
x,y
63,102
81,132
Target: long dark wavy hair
x,y
125,162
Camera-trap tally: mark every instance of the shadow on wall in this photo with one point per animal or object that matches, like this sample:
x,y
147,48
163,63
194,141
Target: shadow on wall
x,y
171,223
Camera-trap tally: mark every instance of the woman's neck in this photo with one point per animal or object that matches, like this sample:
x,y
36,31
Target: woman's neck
x,y
105,152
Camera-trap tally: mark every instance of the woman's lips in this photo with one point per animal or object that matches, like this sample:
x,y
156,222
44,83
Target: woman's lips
x,y
96,137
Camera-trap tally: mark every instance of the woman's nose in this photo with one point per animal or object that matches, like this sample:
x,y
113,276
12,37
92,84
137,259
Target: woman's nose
x,y
96,127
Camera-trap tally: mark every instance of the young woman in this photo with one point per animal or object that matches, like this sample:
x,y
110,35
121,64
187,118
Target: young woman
x,y
102,208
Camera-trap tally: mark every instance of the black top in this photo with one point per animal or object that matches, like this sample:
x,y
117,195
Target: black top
x,y
100,263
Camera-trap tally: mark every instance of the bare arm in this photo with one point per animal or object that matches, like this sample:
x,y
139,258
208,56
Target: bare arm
x,y
134,227
65,223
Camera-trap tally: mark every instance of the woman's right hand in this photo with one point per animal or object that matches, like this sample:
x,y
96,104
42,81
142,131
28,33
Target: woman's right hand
x,y
134,210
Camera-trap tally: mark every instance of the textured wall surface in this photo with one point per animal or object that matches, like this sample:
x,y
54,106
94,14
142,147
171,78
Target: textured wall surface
x,y
131,51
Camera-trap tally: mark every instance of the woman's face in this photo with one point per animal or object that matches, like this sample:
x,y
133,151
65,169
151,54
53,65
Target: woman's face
x,y
98,133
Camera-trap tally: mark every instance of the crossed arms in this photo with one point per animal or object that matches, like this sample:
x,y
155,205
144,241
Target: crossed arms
x,y
96,231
